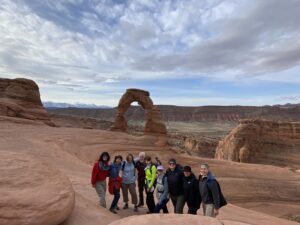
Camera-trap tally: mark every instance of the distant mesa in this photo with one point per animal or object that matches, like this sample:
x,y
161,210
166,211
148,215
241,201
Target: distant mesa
x,y
261,141
154,123
21,98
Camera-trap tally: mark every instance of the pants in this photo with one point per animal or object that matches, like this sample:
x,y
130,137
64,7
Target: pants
x,y
131,188
162,206
192,210
178,203
101,191
208,210
150,201
141,184
116,198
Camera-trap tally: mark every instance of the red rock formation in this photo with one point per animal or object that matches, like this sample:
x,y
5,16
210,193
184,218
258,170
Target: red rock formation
x,y
261,141
33,192
154,124
21,98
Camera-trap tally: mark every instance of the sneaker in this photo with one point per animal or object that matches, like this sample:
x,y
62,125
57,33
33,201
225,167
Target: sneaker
x,y
113,210
125,206
135,209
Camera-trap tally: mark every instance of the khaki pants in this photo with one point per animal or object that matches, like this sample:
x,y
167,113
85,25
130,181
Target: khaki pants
x,y
101,191
208,210
132,191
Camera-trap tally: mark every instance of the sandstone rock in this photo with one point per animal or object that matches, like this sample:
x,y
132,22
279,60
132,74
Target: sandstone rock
x,y
154,124
260,141
32,192
21,98
170,219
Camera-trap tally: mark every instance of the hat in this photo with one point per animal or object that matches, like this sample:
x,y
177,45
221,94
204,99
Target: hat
x,y
160,168
187,169
172,161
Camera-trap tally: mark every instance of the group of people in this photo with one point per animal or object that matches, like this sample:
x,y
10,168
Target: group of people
x,y
176,183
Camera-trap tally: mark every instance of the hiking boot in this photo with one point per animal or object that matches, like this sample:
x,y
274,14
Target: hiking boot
x,y
113,210
140,205
125,206
135,209
117,208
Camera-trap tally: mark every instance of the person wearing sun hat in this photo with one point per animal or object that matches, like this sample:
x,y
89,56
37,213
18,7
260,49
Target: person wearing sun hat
x,y
162,191
175,183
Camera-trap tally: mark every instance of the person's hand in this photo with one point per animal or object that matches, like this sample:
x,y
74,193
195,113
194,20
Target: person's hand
x,y
216,211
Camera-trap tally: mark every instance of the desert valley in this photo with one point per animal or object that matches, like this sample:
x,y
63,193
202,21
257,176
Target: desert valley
x,y
47,157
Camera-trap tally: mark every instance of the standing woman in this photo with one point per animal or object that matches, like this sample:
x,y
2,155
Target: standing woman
x,y
150,182
115,182
99,174
191,190
128,183
162,191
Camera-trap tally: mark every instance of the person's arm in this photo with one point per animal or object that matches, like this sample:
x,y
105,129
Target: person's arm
x,y
153,176
166,190
213,186
197,193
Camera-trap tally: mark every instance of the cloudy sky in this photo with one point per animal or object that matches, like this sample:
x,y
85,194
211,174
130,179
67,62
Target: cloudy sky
x,y
185,52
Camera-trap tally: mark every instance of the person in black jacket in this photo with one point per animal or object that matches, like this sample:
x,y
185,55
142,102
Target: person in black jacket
x,y
175,182
210,192
140,165
191,190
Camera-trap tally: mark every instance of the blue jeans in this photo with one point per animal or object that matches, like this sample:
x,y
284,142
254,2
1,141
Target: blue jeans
x,y
162,206
116,198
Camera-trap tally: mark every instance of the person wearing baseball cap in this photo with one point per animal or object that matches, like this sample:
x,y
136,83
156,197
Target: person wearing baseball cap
x,y
175,184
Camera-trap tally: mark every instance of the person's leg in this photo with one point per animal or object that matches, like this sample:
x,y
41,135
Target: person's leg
x,y
174,202
192,211
116,198
180,204
164,206
157,208
101,191
125,194
141,184
133,194
204,208
150,202
209,210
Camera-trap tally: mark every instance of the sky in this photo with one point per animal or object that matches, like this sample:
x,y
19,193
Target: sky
x,y
184,52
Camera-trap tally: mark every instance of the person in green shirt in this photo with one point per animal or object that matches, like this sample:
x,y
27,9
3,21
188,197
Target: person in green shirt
x,y
150,182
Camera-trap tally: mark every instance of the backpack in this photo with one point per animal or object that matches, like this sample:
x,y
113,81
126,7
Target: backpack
x,y
222,199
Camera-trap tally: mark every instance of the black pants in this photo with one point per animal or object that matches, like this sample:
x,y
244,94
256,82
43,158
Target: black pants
x,y
150,201
116,198
162,206
141,184
192,210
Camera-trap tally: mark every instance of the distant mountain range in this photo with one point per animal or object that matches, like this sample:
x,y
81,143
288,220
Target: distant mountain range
x,y
49,104
288,112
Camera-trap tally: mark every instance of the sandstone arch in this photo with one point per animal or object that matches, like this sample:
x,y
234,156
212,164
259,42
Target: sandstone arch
x,y
154,123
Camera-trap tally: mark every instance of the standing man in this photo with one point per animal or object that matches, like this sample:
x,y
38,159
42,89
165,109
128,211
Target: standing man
x,y
211,195
175,184
140,165
150,181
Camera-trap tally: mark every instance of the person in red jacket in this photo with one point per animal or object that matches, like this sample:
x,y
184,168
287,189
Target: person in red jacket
x,y
99,174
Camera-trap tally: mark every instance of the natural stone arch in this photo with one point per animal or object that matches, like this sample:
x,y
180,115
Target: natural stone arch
x,y
154,123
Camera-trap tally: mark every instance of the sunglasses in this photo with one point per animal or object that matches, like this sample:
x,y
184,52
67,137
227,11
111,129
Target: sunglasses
x,y
172,164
